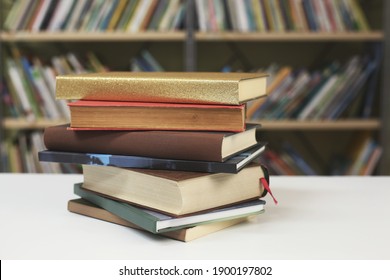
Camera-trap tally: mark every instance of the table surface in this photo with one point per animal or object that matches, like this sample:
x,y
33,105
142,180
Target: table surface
x,y
316,218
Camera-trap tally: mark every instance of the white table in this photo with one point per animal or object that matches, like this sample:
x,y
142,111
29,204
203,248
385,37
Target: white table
x,y
317,218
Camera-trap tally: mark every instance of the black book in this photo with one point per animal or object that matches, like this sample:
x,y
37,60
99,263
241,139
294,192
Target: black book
x,y
232,165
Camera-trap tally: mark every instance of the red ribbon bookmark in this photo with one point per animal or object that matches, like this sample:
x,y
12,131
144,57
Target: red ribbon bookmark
x,y
264,182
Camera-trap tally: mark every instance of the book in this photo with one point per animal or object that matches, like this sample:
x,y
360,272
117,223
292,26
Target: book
x,y
176,193
279,78
169,87
157,222
86,208
110,115
232,165
187,145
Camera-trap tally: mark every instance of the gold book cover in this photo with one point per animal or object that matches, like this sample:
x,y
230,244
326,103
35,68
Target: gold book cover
x,y
165,87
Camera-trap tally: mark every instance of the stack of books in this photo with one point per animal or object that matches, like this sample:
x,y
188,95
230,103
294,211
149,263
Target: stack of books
x,y
166,152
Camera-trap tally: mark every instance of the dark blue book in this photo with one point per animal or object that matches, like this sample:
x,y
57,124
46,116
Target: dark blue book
x,y
372,82
232,165
310,15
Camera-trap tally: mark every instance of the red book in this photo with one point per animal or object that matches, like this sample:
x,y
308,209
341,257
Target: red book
x,y
102,115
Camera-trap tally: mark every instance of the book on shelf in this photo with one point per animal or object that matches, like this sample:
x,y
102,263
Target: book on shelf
x,y
166,87
232,165
372,161
326,93
281,16
86,208
29,84
276,81
363,155
176,193
111,115
145,62
157,222
210,16
186,145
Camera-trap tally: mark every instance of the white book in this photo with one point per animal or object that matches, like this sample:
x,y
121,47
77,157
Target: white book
x,y
201,11
40,16
17,82
243,24
50,79
233,14
71,25
77,66
48,99
169,15
317,99
61,11
138,15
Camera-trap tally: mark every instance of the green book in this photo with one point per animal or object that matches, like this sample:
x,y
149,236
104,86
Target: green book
x,y
156,222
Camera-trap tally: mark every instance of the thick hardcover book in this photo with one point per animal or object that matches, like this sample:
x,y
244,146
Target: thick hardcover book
x,y
157,222
176,193
187,145
232,165
86,208
170,87
98,115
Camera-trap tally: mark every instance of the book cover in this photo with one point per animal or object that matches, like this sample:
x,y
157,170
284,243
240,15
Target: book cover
x,y
232,165
169,87
176,193
111,115
156,222
187,145
86,208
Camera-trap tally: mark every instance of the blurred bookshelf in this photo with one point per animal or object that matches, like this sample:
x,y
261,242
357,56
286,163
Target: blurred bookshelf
x,y
216,36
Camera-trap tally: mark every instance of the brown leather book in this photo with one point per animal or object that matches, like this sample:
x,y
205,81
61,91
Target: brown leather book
x,y
188,145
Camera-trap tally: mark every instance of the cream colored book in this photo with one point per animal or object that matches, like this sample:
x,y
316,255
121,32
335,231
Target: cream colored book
x,y
166,87
175,193
86,208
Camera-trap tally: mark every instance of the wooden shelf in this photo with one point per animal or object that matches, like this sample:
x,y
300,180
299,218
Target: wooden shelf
x,y
355,124
180,36
21,123
91,36
291,36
